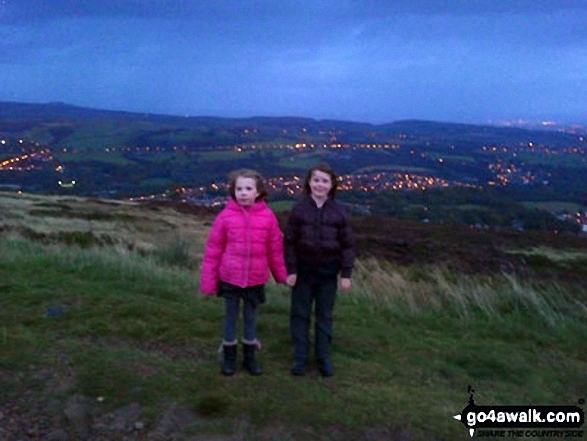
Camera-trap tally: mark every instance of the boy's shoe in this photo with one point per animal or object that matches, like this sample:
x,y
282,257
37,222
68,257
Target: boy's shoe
x,y
229,362
249,361
299,368
325,367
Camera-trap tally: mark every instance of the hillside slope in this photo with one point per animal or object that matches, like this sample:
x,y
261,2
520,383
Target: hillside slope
x,y
103,335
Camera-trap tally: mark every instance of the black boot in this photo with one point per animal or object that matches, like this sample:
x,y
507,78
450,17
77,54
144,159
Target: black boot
x,y
249,361
229,362
325,367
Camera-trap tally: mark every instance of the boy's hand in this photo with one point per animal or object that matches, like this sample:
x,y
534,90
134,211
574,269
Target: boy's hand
x,y
291,280
345,284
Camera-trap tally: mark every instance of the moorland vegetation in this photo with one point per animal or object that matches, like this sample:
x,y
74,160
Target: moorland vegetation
x,y
103,334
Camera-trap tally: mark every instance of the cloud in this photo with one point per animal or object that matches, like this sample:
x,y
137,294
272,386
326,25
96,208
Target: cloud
x,y
296,13
329,57
26,11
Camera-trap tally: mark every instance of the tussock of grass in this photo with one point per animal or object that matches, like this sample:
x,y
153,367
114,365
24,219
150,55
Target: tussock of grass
x,y
119,262
434,289
552,254
176,251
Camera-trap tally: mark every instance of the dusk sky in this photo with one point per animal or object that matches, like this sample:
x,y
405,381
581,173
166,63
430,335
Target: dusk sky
x,y
369,61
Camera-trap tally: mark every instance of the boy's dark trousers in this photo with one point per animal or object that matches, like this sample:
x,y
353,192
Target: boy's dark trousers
x,y
317,284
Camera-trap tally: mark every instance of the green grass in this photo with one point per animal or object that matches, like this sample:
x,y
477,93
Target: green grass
x,y
406,345
302,161
393,168
468,207
116,158
279,206
452,158
155,183
555,206
97,135
544,260
225,155
553,255
563,160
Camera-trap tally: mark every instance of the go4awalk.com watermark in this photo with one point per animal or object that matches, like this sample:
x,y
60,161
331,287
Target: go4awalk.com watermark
x,y
522,421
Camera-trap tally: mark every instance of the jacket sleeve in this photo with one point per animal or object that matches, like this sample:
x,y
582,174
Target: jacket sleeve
x,y
289,240
347,245
276,252
215,246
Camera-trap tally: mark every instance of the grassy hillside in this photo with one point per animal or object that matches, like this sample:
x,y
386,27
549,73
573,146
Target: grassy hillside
x,y
103,336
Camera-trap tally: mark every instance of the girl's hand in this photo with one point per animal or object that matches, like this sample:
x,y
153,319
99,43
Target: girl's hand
x,y
291,280
345,284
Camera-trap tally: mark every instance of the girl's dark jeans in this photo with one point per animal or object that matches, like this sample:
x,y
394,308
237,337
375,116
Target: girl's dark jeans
x,y
252,297
315,284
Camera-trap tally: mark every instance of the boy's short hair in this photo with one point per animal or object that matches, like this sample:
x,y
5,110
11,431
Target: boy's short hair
x,y
324,168
247,173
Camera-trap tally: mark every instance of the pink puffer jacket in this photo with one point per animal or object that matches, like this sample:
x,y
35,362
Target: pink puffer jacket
x,y
244,244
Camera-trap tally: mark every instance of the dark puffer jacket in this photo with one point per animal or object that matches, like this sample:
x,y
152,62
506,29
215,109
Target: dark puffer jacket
x,y
319,235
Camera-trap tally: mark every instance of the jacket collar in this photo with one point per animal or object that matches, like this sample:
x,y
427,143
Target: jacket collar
x,y
310,200
235,206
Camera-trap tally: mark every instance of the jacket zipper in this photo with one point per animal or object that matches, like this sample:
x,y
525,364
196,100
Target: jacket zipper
x,y
248,232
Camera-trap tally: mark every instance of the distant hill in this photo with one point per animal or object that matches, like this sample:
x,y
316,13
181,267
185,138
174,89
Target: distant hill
x,y
63,125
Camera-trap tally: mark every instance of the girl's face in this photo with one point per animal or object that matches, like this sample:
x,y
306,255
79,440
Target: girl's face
x,y
245,191
320,184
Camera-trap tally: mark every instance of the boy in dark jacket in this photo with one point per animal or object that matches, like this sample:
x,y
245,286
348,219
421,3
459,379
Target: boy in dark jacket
x,y
319,246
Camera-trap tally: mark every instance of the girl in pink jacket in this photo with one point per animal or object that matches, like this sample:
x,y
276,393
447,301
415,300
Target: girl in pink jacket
x,y
245,244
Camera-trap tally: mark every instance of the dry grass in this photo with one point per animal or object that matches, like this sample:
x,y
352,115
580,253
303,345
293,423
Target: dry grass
x,y
133,331
551,254
177,239
416,290
125,226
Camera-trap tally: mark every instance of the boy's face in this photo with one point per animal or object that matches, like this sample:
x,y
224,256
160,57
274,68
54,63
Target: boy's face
x,y
245,191
320,184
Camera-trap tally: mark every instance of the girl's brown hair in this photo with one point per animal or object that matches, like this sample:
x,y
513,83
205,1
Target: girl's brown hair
x,y
324,168
247,173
